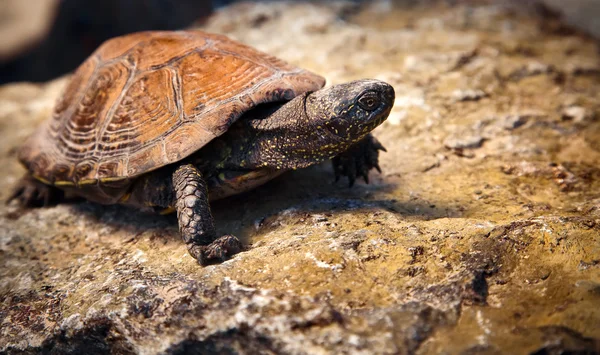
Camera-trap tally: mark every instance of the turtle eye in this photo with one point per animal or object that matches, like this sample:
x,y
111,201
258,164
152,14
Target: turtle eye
x,y
369,100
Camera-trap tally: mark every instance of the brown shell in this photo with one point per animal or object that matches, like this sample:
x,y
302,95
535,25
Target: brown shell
x,y
149,99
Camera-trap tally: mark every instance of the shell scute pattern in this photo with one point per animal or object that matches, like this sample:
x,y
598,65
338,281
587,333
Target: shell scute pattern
x,y
206,90
71,94
149,102
77,138
149,99
179,140
107,169
62,172
82,171
163,49
251,55
146,159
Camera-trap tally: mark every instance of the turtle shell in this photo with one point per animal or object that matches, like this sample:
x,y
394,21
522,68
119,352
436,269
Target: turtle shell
x,y
149,99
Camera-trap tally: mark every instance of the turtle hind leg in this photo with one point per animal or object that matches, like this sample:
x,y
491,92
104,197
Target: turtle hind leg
x,y
358,160
30,192
195,220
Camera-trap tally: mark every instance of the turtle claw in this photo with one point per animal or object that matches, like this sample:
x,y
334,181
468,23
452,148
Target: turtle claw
x,y
377,145
366,177
32,193
351,180
364,172
358,160
219,250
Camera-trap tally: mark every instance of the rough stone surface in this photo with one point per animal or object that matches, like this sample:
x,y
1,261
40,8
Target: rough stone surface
x,y
482,235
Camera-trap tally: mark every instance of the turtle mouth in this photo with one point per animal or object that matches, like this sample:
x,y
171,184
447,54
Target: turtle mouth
x,y
376,122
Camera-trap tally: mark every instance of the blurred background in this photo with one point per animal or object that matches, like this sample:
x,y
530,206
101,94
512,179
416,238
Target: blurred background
x,y
43,39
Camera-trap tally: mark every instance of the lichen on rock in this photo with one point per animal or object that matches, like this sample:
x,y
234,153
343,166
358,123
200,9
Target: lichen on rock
x,y
482,235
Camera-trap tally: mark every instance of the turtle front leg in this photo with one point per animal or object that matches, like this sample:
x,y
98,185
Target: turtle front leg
x,y
358,160
195,220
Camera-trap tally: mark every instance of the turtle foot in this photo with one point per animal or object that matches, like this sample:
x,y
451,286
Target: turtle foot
x,y
33,193
216,252
358,160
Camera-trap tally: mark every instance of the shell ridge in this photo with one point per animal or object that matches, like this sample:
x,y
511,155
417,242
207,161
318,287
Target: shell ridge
x,y
264,58
68,113
96,152
163,150
117,59
176,59
176,84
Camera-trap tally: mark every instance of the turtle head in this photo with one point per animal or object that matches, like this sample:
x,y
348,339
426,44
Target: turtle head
x,y
346,113
312,127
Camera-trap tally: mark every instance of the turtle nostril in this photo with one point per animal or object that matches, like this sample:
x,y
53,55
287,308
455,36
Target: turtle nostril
x,y
389,94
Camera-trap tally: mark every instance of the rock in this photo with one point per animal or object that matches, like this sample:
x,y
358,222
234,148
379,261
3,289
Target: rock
x,y
515,121
494,254
576,113
463,142
468,95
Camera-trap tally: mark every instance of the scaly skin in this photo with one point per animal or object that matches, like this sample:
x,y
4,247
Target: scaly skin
x,y
195,220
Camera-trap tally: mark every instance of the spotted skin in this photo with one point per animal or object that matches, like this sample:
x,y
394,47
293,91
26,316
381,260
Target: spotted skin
x,y
168,121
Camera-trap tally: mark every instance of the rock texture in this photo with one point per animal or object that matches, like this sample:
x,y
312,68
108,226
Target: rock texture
x,y
482,235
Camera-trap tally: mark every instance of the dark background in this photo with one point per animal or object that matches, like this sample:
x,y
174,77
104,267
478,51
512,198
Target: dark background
x,y
80,26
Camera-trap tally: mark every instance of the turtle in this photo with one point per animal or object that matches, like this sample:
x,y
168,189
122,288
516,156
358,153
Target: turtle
x,y
168,121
